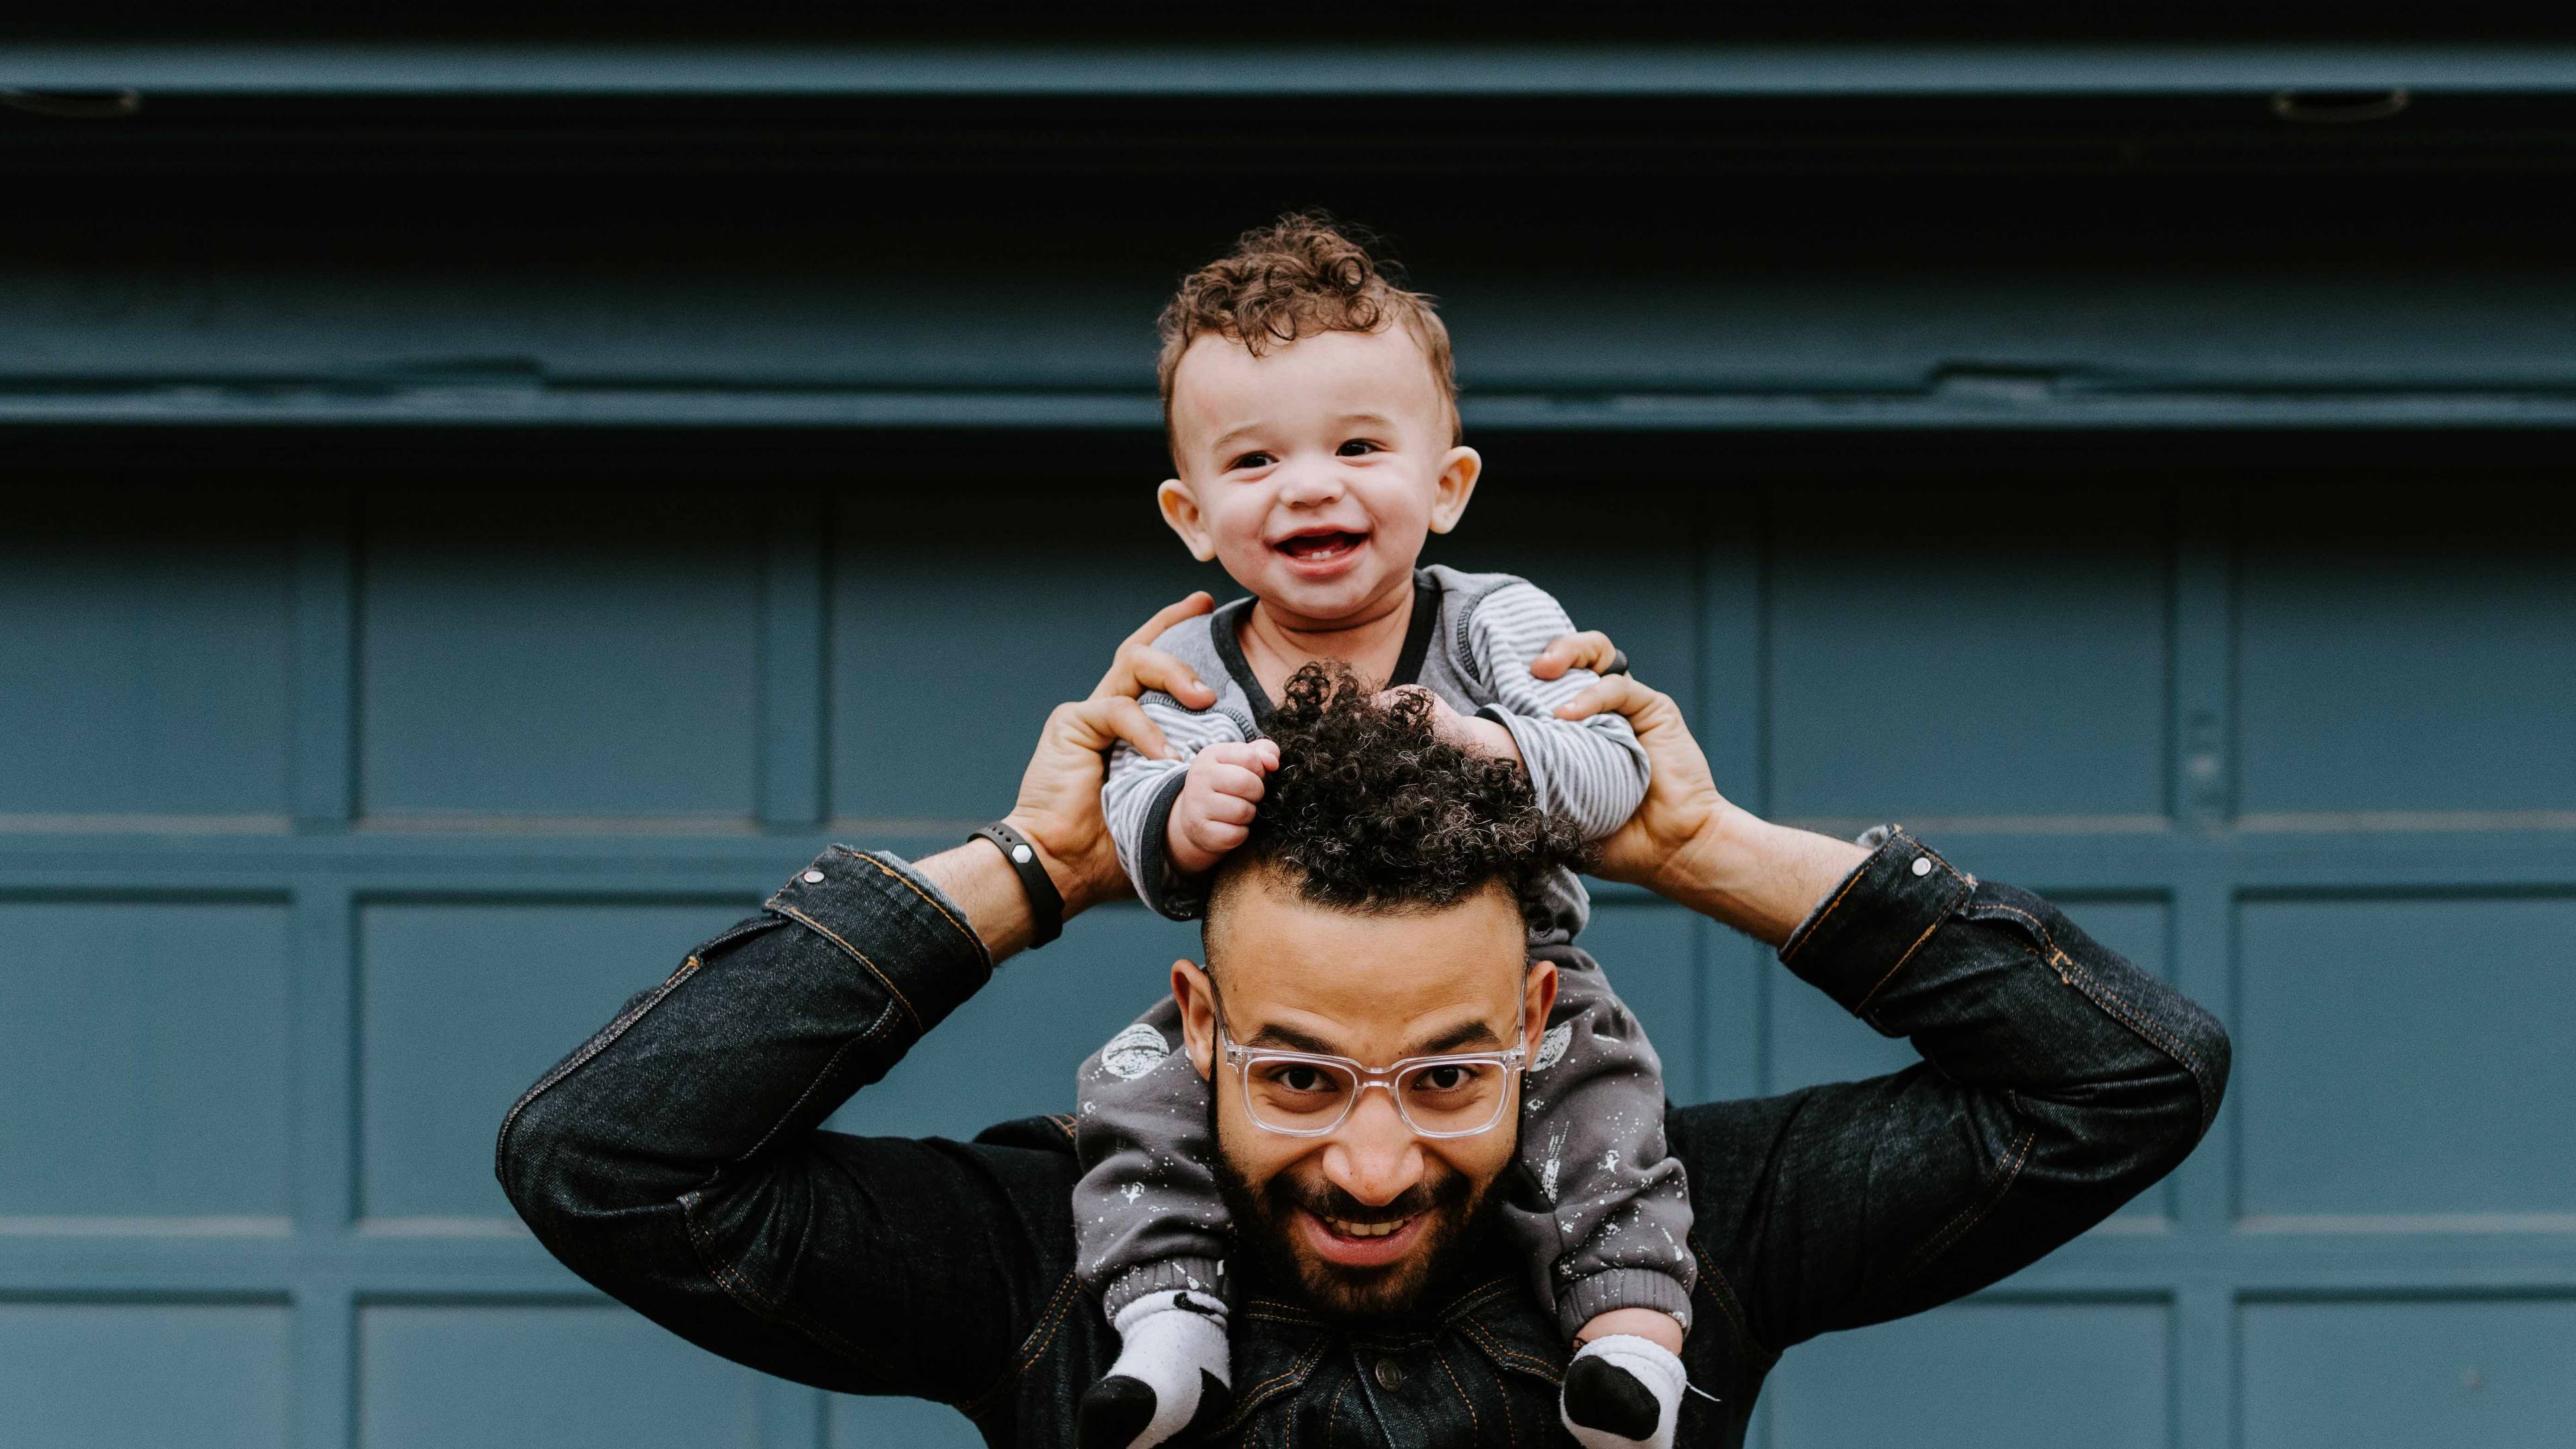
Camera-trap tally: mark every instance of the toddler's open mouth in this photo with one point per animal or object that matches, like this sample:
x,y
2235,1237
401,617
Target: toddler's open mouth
x,y
1321,546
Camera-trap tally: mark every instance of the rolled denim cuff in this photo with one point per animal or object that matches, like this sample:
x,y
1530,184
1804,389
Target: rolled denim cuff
x,y
891,923
1875,920
1588,1298
1203,1275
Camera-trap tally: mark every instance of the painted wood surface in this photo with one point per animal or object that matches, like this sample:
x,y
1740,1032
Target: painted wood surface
x,y
348,819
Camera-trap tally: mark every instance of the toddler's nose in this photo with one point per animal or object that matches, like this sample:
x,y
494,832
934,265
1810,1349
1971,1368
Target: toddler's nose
x,y
1306,487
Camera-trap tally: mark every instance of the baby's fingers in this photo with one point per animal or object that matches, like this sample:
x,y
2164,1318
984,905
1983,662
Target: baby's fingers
x,y
1234,782
1258,757
1590,649
1219,838
1226,810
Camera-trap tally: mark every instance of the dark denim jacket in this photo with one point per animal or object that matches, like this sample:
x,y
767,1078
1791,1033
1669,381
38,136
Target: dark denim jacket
x,y
675,1161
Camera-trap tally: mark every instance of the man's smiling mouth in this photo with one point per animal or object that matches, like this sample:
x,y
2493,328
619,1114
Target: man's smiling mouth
x,y
1349,1229
1352,1244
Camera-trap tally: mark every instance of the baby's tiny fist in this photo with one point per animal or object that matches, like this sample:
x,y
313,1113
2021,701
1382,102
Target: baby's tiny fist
x,y
1473,733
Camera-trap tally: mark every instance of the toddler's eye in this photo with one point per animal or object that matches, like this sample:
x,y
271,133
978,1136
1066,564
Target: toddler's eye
x,y
1359,448
1249,460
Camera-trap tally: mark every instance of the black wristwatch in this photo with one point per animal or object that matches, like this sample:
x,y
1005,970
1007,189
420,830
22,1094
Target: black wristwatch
x,y
1046,903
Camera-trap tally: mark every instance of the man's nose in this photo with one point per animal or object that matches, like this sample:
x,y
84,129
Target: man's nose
x,y
1374,1157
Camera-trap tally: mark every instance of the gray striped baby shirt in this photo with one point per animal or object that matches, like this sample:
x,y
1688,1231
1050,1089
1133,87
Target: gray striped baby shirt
x,y
1470,642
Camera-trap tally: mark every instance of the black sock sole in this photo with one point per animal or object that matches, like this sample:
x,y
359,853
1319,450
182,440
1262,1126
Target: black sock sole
x,y
1601,1395
1113,1412
1117,1409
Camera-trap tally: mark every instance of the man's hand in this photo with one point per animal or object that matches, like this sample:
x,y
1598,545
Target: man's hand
x,y
1682,809
1687,842
1218,797
1059,803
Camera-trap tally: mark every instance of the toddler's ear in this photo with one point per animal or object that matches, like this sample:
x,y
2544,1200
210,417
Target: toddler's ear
x,y
1181,510
1455,485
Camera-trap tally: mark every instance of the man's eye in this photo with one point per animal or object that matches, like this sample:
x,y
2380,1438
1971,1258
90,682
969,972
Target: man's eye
x,y
1359,448
1444,1079
1301,1079
1249,460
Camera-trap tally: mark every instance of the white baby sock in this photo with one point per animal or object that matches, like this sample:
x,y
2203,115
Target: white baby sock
x,y
1171,1375
1623,1392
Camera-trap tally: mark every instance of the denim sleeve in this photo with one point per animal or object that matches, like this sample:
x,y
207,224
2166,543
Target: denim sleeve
x,y
2057,1082
674,1161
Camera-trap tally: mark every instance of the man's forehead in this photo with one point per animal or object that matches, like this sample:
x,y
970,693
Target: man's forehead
x,y
1362,983
1460,1029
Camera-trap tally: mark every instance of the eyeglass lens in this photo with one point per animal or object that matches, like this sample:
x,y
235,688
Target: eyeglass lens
x,y
1303,1096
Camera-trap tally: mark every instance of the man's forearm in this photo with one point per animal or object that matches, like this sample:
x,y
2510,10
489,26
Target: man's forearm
x,y
1760,878
983,885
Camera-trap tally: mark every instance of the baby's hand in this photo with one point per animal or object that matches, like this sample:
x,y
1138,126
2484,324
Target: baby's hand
x,y
1214,813
1472,733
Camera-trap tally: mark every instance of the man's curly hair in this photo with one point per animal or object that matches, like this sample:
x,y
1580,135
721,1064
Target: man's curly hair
x,y
1301,275
1371,810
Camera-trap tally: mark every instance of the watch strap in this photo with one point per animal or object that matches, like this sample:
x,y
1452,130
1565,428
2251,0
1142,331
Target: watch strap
x,y
1046,903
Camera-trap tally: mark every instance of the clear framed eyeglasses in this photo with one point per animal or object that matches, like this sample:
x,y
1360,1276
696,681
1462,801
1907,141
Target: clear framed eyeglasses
x,y
1307,1094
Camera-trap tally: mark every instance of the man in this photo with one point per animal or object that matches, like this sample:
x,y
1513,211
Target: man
x,y
674,1160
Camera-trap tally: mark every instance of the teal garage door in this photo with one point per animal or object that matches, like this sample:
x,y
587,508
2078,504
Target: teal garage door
x,y
485,501
330,818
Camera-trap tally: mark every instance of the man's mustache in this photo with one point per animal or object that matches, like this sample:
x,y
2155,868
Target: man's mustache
x,y
1327,1200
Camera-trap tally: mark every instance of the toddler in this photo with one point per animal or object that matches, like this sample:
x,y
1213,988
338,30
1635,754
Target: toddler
x,y
1313,421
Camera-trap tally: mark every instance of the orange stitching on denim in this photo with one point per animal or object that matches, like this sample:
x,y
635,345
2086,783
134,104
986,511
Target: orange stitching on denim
x,y
1474,1428
2153,1032
733,1281
1050,1321
1967,1218
1260,1393
1485,1338
1882,981
820,1078
1333,1413
1474,1298
1826,914
1054,1324
856,954
1724,1292
926,899
1499,1349
713,1257
1296,1366
1511,1434
608,1036
2137,1021
2035,923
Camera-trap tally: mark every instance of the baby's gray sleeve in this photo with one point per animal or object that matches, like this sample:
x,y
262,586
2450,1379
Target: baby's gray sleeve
x,y
1136,800
1591,770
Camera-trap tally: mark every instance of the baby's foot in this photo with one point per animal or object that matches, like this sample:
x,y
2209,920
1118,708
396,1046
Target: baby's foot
x,y
1171,1378
1622,1392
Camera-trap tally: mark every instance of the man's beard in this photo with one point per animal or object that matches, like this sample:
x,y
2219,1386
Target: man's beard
x,y
1461,1215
